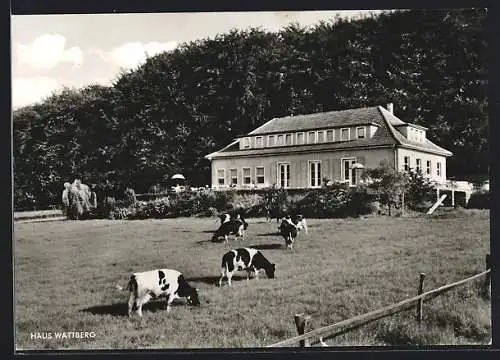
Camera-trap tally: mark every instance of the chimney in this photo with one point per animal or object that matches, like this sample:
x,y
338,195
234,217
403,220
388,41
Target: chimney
x,y
390,108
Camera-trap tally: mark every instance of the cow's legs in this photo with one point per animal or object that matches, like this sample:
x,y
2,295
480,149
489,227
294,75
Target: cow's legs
x,y
142,300
222,273
229,275
131,301
171,298
249,271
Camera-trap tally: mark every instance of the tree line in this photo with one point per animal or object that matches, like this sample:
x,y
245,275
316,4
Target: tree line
x,y
165,115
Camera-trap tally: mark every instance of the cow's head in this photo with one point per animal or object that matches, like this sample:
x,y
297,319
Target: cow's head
x,y
192,298
270,269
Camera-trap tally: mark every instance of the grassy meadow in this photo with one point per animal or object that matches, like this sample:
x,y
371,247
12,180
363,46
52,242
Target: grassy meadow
x,y
66,272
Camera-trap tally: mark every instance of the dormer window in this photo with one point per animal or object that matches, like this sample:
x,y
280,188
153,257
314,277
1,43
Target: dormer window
x,y
329,136
321,136
360,132
344,134
288,139
300,138
311,137
270,140
246,143
258,142
280,140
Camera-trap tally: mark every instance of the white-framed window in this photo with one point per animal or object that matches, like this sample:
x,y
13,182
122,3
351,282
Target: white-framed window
x,y
411,132
438,168
234,176
311,137
280,140
247,176
330,135
259,175
418,165
360,132
345,134
288,139
246,143
348,173
314,173
429,167
406,163
300,138
221,176
270,140
283,175
321,136
259,141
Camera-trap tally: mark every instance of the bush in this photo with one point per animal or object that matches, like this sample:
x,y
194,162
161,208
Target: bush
x,y
337,200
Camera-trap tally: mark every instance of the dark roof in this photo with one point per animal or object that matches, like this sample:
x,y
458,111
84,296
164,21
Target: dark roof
x,y
361,116
386,134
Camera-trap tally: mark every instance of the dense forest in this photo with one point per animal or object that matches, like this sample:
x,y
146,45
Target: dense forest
x,y
164,116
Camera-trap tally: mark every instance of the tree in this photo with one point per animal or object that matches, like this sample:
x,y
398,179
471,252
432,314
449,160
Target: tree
x,y
388,185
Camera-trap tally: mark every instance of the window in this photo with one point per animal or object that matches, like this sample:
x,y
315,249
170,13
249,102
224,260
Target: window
x,y
288,139
283,175
280,140
438,168
247,179
418,165
300,138
234,176
315,173
360,132
258,142
259,175
329,136
270,140
407,163
221,175
429,171
311,137
321,136
246,143
348,173
344,135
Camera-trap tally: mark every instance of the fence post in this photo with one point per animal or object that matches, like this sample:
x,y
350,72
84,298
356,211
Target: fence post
x,y
487,280
420,301
301,321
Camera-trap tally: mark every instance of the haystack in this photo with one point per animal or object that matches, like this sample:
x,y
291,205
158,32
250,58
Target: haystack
x,y
78,200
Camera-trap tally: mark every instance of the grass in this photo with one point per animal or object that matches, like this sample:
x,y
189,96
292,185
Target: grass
x,y
66,272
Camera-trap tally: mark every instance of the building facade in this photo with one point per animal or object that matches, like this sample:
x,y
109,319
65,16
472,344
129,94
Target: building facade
x,y
304,151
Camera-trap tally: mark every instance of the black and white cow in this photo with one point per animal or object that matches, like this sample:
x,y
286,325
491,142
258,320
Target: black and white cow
x,y
289,231
299,221
230,226
155,283
248,259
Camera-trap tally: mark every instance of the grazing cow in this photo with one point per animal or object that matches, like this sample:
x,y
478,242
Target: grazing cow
x,y
229,225
289,232
299,221
248,259
155,283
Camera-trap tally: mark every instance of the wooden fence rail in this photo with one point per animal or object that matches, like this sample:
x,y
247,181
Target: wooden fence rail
x,y
330,331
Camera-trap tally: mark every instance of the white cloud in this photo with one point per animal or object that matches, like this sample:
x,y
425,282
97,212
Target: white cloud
x,y
132,54
26,91
46,51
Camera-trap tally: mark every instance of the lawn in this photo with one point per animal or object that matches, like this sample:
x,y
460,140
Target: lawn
x,y
66,272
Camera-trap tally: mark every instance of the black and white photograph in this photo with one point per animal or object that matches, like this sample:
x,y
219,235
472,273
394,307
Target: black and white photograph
x,y
251,179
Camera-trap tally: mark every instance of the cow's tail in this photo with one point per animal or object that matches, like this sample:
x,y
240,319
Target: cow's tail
x,y
132,283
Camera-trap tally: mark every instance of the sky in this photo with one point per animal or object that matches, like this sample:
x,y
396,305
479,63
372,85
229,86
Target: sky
x,y
52,51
